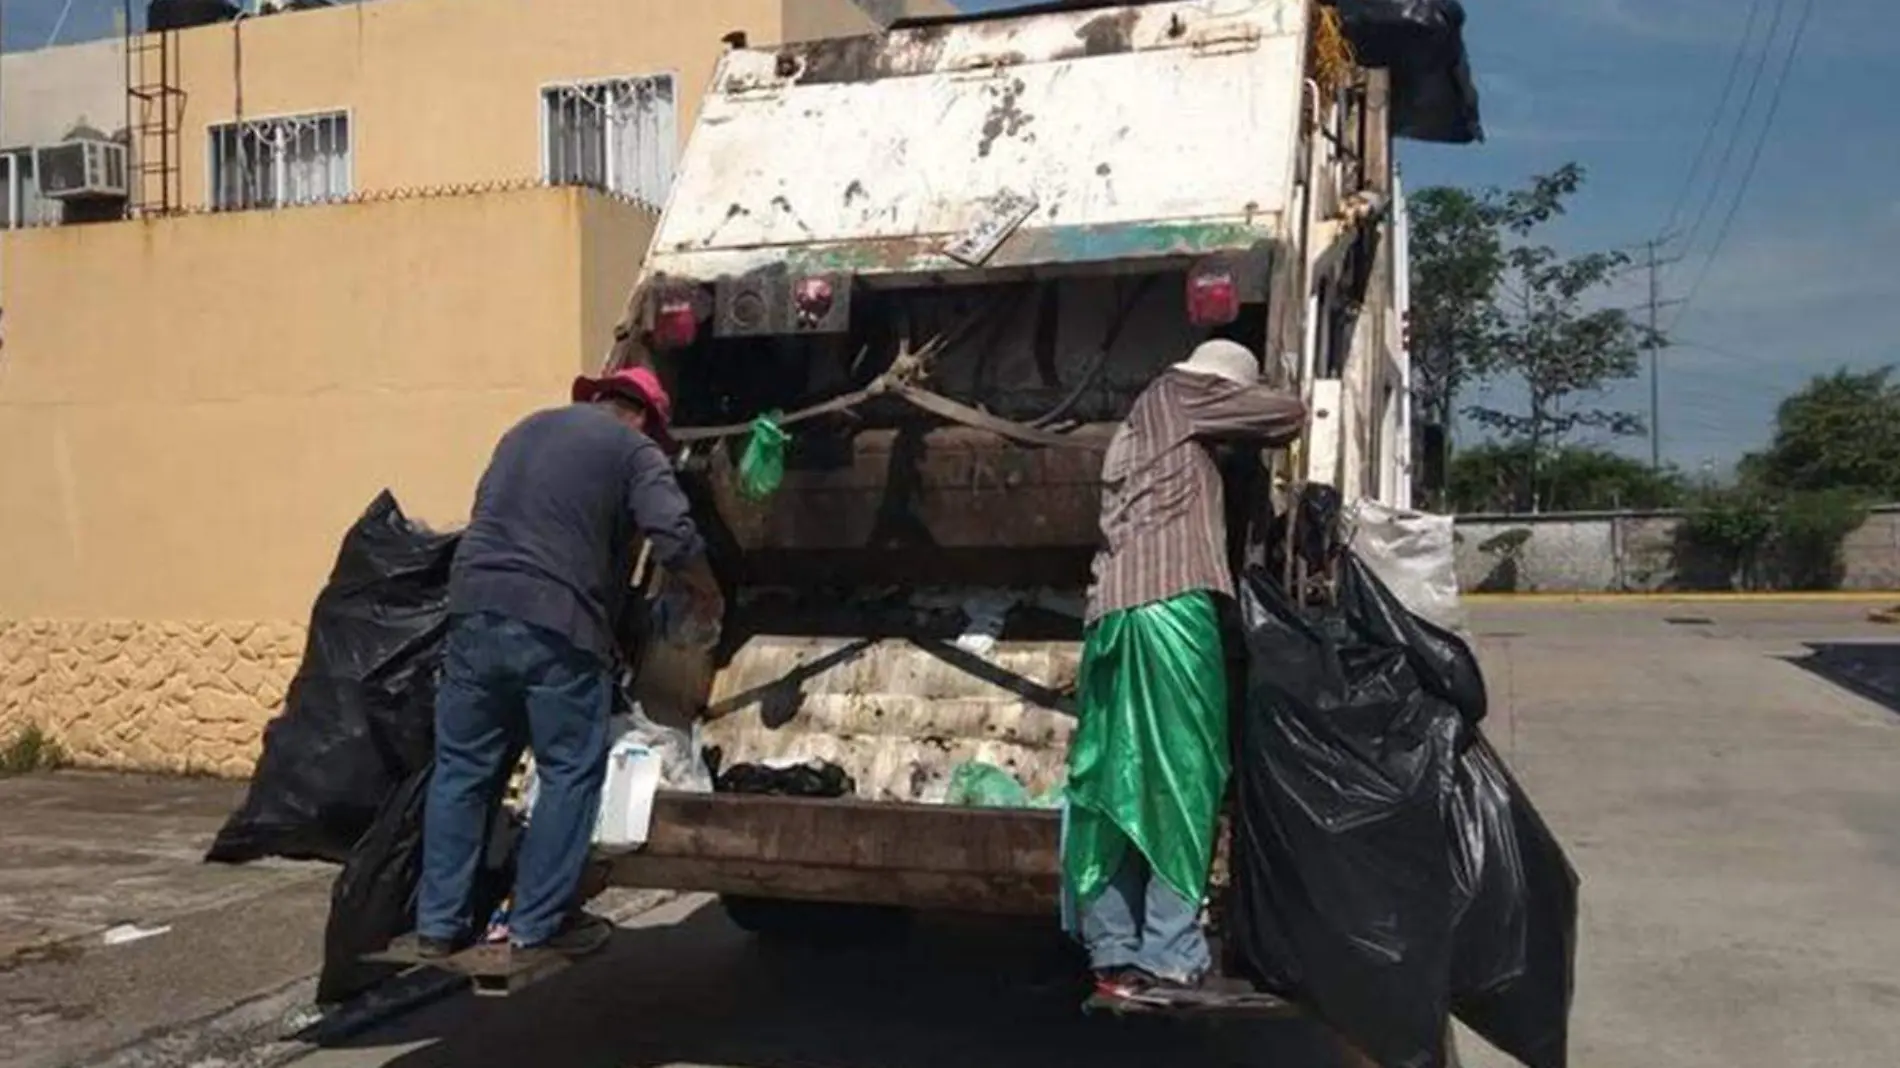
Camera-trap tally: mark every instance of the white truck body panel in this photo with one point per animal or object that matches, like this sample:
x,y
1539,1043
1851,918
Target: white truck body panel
x,y
875,154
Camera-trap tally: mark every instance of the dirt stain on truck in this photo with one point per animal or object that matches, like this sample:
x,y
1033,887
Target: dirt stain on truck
x,y
1006,118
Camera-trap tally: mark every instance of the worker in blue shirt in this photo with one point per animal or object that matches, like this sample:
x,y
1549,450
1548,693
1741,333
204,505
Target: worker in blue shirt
x,y
538,583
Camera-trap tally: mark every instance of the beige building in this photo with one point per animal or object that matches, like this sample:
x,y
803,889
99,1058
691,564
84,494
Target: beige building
x,y
397,227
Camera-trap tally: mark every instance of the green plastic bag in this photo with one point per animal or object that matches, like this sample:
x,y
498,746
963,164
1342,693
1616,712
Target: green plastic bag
x,y
980,785
762,465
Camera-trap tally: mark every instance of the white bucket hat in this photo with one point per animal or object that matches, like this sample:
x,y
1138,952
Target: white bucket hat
x,y
1223,359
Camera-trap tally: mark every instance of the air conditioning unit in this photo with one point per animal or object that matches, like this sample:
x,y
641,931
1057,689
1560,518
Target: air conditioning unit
x,y
82,168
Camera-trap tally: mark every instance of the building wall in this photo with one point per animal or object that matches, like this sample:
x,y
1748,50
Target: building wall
x,y
447,91
49,91
439,92
193,409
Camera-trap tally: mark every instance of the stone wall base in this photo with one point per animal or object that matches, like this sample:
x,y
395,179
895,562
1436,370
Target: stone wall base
x,y
141,695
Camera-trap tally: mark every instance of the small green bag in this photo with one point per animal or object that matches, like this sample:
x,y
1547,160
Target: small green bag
x,y
762,465
979,785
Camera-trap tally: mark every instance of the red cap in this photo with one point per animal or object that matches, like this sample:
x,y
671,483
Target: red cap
x,y
637,384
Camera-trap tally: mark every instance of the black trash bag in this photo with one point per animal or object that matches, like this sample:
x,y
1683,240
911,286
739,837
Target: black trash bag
x,y
373,901
817,779
1525,1013
359,718
1421,42
1388,871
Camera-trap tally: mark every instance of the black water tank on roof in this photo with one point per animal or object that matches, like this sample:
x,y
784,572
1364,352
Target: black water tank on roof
x,y
183,14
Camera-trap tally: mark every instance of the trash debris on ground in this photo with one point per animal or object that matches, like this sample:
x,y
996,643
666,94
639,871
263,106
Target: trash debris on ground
x,y
359,718
979,785
121,934
1389,872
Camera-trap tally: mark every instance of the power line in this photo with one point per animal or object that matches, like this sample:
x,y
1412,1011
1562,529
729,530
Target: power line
x,y
1754,160
1715,118
1741,122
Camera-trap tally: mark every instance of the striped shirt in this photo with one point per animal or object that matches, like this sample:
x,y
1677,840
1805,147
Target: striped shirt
x,y
1164,531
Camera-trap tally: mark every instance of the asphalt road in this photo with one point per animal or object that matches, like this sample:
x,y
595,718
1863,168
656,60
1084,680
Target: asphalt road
x,y
683,988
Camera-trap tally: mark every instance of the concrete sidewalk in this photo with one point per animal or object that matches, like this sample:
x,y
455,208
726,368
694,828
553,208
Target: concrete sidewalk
x,y
81,853
1735,819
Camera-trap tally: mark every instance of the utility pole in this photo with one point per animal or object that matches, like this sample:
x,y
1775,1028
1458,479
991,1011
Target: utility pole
x,y
1653,343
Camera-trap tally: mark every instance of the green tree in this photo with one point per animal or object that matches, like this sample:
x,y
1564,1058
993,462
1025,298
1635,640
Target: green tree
x,y
1490,303
1457,257
1840,432
1492,478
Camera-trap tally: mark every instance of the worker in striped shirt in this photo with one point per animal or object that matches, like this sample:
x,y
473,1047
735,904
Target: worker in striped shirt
x,y
1150,757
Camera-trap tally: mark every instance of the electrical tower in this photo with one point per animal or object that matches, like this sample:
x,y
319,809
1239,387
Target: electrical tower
x,y
1654,342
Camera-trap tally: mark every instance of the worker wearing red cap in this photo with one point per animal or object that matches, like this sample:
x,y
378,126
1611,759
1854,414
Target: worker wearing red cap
x,y
536,589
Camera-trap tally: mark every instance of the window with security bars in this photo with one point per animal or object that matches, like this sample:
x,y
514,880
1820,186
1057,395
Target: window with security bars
x,y
280,162
620,135
20,200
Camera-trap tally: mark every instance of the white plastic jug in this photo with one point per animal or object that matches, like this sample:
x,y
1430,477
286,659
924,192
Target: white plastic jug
x,y
626,798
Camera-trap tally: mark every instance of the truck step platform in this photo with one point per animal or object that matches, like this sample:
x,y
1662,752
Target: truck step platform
x,y
1220,998
495,968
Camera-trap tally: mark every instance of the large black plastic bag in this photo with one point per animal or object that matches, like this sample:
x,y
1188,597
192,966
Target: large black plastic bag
x,y
373,901
1421,42
1388,871
359,716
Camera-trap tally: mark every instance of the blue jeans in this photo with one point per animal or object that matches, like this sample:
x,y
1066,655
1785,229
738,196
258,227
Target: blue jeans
x,y
506,684
1140,921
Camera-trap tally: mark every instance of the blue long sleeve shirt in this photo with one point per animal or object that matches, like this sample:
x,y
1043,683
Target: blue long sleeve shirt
x,y
556,518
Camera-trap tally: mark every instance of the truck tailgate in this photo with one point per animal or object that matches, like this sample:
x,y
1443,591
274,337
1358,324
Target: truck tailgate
x,y
1001,861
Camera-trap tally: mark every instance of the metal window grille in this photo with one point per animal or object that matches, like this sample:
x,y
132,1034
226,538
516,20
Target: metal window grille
x,y
280,162
620,135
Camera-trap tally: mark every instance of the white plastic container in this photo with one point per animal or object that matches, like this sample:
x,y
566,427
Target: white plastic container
x,y
626,797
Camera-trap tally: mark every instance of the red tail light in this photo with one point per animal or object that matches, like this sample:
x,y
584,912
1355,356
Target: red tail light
x,y
1213,299
675,322
813,296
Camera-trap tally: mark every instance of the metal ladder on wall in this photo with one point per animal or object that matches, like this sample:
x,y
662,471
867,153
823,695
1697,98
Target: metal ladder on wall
x,y
154,113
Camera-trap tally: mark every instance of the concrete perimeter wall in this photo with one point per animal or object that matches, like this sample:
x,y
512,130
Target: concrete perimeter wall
x,y
193,410
1593,553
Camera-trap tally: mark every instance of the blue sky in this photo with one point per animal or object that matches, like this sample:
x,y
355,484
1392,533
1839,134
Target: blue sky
x,y
1809,276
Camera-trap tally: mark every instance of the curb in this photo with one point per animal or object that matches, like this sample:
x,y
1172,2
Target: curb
x,y
1817,597
284,1025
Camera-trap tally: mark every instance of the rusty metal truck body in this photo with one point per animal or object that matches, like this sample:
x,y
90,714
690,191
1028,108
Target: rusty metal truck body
x,y
952,255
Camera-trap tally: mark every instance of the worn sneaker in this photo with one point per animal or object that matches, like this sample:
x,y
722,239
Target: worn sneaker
x,y
1120,983
438,948
580,934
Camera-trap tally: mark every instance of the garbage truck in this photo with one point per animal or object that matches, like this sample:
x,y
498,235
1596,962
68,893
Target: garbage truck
x,y
942,261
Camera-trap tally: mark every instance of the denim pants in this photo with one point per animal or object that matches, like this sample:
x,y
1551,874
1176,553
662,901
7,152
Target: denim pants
x,y
1140,921
506,684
